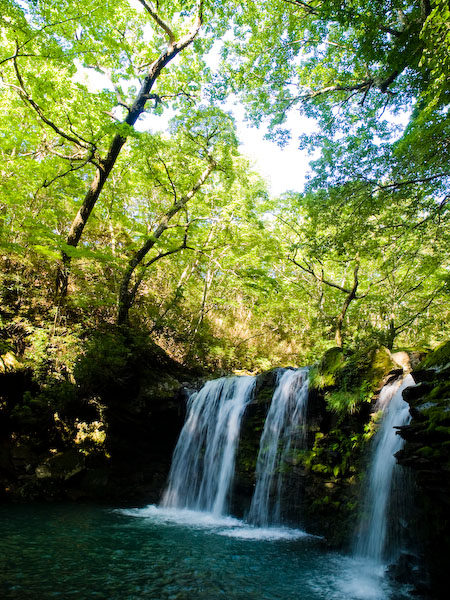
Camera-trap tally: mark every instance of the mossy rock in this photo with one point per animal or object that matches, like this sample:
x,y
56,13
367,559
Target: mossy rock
x,y
265,385
354,379
323,374
439,358
382,362
331,360
63,465
9,362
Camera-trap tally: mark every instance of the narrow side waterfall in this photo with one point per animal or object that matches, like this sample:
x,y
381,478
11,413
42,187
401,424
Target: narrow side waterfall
x,y
284,423
372,540
203,462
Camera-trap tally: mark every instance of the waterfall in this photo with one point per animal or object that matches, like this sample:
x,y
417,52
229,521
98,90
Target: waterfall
x,y
203,462
284,424
373,535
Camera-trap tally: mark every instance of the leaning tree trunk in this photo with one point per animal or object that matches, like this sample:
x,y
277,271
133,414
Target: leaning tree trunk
x,y
127,294
106,165
340,320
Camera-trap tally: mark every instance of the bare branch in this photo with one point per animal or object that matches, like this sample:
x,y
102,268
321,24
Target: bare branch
x,y
47,184
391,30
361,87
403,325
172,184
308,269
113,117
160,255
76,18
188,38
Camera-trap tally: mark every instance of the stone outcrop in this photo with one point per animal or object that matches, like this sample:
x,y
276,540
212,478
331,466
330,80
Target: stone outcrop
x,y
108,436
427,453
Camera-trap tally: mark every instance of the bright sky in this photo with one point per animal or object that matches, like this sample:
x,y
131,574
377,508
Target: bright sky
x,y
284,168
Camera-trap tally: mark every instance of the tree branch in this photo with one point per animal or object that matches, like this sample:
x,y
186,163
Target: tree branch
x,y
155,16
402,326
339,88
47,184
126,296
350,297
26,96
172,184
397,184
304,5
117,143
319,277
76,18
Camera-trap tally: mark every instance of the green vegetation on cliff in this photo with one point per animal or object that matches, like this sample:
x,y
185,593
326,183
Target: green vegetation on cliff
x,y
106,219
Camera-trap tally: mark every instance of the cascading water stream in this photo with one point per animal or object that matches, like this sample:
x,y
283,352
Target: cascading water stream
x,y
203,462
371,543
284,421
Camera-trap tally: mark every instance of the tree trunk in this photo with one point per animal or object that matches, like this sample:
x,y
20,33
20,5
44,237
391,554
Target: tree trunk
x,y
105,166
127,295
391,335
340,320
177,295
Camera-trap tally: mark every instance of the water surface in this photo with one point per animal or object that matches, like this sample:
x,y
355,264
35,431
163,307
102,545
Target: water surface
x,y
89,552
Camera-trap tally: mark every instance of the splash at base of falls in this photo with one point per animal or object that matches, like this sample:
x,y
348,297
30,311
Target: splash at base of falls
x,y
222,525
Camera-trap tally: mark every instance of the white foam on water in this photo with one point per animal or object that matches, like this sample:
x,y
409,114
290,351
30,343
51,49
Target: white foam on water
x,y
358,578
365,582
264,533
182,516
224,525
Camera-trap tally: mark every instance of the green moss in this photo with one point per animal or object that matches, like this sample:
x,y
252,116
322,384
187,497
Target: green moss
x,y
444,430
438,358
381,364
323,374
357,378
426,452
440,392
347,401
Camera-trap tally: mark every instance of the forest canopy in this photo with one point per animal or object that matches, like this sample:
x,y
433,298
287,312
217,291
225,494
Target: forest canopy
x,y
106,220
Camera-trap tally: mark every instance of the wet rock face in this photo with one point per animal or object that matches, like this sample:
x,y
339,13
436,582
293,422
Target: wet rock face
x,y
251,429
427,453
112,442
